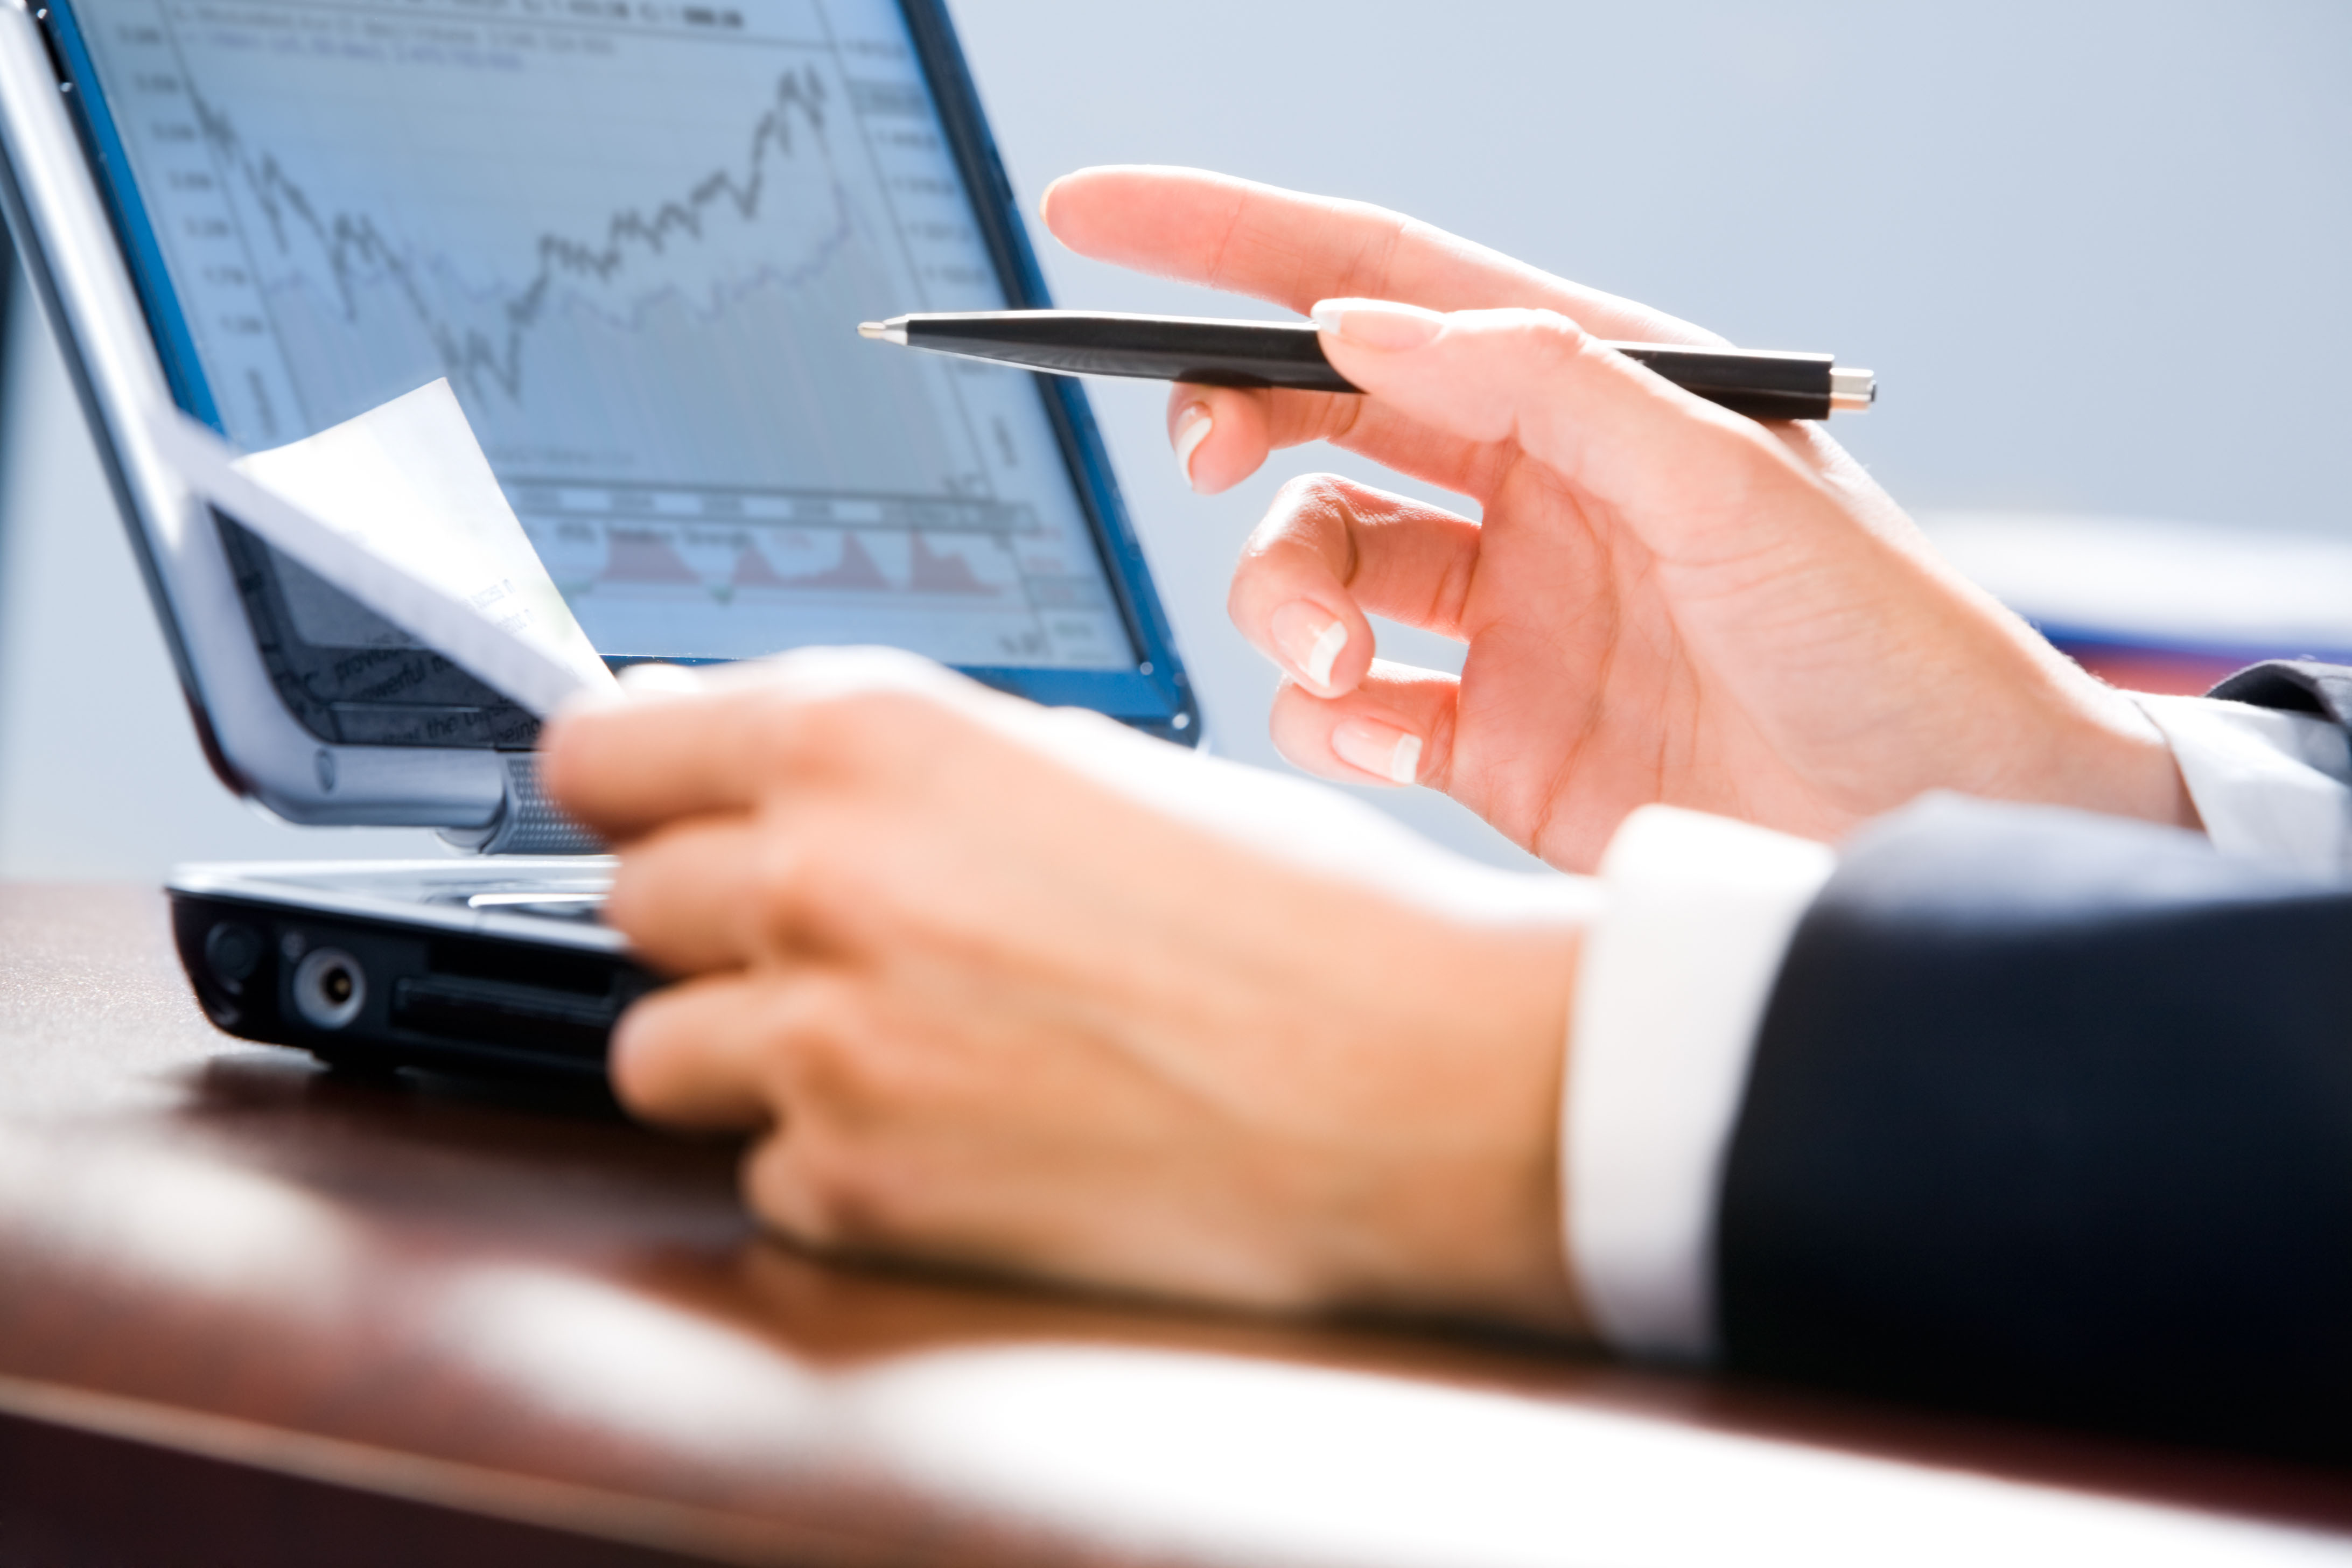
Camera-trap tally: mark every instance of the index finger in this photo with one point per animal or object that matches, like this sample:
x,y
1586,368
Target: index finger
x,y
1293,249
624,768
723,739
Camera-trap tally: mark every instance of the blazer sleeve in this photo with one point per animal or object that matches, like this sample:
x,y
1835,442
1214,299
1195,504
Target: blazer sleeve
x,y
2051,1115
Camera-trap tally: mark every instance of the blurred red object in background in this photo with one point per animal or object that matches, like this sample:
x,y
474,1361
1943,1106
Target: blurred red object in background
x,y
2169,670
2159,606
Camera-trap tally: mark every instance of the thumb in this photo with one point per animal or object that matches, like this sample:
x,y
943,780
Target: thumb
x,y
1683,473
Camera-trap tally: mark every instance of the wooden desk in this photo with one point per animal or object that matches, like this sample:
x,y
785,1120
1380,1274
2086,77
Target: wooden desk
x,y
251,1313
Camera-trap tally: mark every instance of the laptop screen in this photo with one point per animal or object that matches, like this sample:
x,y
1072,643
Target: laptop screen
x,y
638,237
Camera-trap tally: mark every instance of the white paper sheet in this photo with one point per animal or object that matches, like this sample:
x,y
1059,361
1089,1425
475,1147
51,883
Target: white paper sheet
x,y
398,508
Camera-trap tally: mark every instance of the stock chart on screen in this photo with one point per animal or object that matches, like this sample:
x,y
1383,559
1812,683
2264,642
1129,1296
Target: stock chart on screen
x,y
638,239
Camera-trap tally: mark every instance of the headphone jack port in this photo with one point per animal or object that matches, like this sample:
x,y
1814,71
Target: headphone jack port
x,y
330,987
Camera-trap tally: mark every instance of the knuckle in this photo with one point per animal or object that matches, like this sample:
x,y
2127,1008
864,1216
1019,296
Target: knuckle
x,y
820,1014
1550,327
1437,752
827,885
786,1188
815,1190
850,743
647,883
1557,341
775,743
1312,518
819,733
798,894
1566,331
842,1065
1309,497
1533,345
859,733
839,876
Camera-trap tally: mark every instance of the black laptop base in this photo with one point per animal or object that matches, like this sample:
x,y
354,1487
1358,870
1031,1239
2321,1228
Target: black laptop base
x,y
375,996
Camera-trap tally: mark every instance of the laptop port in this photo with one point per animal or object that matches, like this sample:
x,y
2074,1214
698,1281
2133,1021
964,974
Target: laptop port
x,y
330,987
233,951
504,1013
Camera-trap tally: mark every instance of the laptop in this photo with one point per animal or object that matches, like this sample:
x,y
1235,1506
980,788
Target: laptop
x,y
636,237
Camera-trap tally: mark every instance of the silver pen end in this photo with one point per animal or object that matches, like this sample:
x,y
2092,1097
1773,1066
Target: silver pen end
x,y
890,332
1851,391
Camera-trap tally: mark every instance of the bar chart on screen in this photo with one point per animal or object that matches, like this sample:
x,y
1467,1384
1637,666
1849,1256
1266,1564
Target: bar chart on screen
x,y
637,240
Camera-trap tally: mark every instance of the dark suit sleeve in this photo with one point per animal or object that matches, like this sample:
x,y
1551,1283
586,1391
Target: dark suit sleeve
x,y
2051,1115
2294,685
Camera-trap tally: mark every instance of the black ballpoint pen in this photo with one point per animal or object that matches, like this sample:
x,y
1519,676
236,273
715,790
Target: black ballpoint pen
x,y
1759,384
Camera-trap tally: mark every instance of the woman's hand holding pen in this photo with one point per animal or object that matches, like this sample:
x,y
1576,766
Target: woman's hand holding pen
x,y
1661,600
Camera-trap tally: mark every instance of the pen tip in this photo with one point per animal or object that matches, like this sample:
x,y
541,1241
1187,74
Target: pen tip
x,y
893,331
871,329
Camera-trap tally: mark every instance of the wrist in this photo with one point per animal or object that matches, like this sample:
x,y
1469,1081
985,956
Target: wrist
x,y
1462,1217
2124,765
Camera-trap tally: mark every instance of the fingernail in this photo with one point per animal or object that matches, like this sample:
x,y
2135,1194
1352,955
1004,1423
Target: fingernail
x,y
1382,751
1379,323
1310,638
1193,427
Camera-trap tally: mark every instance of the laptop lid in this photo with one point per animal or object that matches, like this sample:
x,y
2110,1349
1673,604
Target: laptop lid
x,y
636,237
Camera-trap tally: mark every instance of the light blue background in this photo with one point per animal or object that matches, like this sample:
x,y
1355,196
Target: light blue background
x,y
2099,254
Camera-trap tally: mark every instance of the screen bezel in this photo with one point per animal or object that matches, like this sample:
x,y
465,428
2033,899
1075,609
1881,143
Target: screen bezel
x,y
1155,695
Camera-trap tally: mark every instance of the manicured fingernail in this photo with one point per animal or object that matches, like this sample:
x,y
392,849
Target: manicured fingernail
x,y
1382,751
1379,323
1310,638
1193,427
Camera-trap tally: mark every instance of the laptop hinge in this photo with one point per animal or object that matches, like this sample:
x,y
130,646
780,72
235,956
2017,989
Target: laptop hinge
x,y
527,821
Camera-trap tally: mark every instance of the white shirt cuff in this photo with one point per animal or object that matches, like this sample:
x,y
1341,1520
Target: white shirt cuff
x,y
1671,993
2277,785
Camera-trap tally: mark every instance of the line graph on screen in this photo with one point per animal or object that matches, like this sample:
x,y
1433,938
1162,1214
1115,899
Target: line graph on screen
x,y
735,293
352,245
